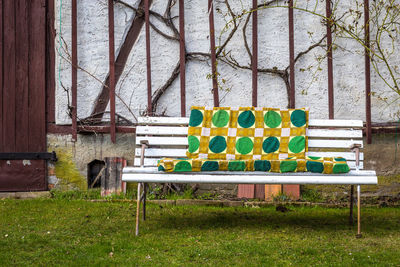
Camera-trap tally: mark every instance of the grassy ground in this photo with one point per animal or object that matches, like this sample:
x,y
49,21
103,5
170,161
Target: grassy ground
x,y
80,233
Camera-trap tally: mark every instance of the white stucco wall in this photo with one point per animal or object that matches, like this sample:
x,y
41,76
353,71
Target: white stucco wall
x,y
348,69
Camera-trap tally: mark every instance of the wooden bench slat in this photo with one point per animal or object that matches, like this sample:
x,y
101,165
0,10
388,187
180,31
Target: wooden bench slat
x,y
159,130
176,152
163,120
317,143
168,131
335,123
334,133
182,141
312,122
153,176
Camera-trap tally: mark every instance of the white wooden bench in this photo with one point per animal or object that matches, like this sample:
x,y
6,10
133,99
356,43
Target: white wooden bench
x,y
158,137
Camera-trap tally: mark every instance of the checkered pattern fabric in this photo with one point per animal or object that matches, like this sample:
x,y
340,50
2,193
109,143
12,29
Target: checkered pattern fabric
x,y
309,164
247,133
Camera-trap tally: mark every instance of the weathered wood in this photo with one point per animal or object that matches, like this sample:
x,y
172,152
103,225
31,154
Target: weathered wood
x,y
311,123
111,182
272,190
137,210
181,152
254,58
351,204
50,64
21,81
152,175
182,56
335,123
111,60
213,53
37,83
1,77
367,73
8,97
246,191
182,141
329,59
359,210
292,101
148,56
172,130
74,68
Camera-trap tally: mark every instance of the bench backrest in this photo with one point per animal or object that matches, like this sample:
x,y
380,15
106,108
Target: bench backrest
x,y
167,137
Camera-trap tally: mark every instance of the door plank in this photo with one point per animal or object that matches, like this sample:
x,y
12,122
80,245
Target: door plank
x,y
37,85
9,77
22,82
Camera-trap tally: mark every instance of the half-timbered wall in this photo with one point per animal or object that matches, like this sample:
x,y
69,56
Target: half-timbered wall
x,y
333,92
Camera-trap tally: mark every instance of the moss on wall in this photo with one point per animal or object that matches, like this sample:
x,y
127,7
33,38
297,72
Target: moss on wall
x,y
67,172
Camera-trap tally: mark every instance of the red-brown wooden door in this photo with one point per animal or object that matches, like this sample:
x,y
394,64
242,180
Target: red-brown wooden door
x,y
22,92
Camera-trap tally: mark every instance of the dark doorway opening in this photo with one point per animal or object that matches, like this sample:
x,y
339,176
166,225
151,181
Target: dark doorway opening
x,y
95,170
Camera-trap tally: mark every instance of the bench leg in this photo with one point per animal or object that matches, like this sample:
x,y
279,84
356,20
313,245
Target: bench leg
x,y
138,209
351,205
144,200
359,211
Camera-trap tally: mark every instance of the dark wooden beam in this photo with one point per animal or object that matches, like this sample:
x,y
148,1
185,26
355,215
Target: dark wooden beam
x,y
50,63
182,58
1,76
74,75
37,78
9,93
106,129
367,73
254,58
213,53
330,63
22,79
148,56
292,101
111,51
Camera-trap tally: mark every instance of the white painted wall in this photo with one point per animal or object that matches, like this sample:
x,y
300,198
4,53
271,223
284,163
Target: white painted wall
x,y
349,81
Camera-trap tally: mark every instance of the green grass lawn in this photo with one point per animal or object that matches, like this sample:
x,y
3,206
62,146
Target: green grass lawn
x,y
78,232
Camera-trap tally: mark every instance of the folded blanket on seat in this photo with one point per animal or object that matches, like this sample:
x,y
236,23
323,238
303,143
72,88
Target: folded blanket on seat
x,y
249,139
309,164
247,133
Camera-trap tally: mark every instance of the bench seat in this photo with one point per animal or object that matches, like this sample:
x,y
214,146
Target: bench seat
x,y
152,175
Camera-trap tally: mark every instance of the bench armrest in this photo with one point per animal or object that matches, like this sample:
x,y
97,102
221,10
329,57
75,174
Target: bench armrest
x,y
356,149
144,144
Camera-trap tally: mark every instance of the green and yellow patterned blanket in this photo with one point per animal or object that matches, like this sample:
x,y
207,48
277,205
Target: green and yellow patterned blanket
x,y
308,164
247,133
249,139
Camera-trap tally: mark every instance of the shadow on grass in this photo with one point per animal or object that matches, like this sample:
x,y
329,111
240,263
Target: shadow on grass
x,y
315,219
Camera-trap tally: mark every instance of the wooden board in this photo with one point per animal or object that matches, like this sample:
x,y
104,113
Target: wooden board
x,y
181,152
181,130
152,175
182,141
23,93
9,76
22,81
312,122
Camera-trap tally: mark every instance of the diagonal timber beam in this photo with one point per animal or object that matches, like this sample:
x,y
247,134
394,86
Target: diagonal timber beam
x,y
133,33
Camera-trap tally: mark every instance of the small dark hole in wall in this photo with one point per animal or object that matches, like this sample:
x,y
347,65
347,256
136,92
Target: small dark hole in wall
x,y
94,169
